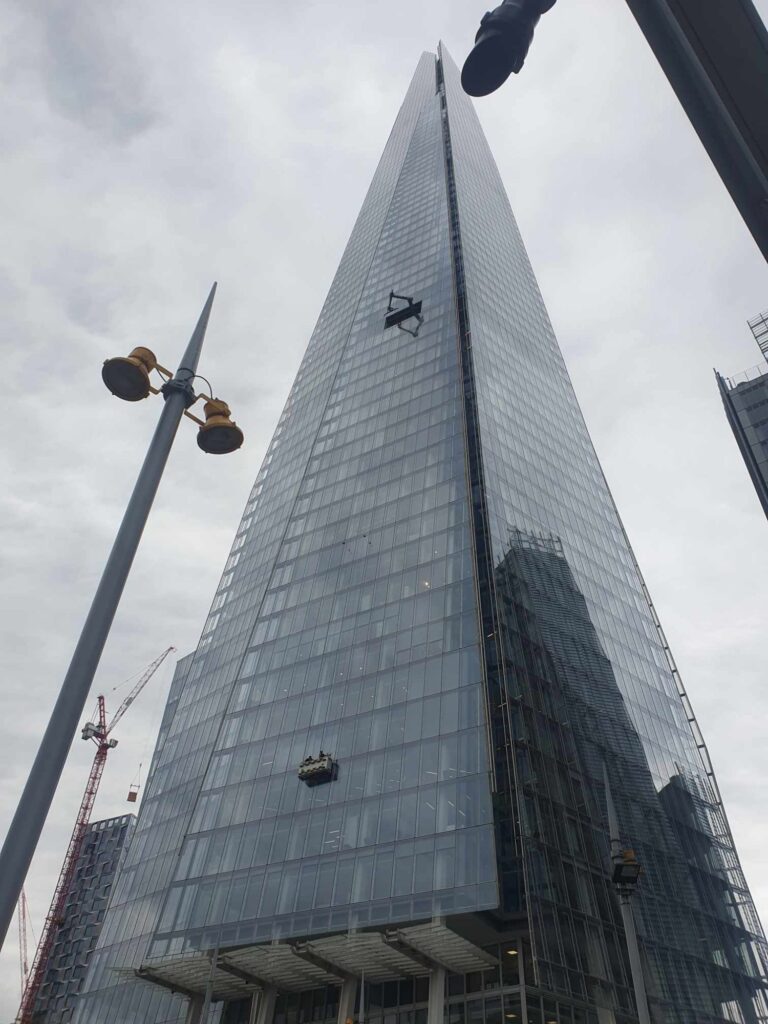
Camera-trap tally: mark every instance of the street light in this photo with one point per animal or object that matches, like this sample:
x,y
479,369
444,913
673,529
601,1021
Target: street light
x,y
501,45
218,435
128,378
715,56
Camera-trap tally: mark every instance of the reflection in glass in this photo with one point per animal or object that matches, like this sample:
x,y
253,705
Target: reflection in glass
x,y
569,718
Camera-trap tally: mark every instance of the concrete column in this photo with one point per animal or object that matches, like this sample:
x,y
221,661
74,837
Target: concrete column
x,y
195,1010
605,1016
265,1009
347,1000
436,1007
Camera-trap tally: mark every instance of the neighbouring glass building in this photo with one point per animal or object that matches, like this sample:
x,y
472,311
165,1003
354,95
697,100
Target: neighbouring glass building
x,y
432,586
745,398
104,844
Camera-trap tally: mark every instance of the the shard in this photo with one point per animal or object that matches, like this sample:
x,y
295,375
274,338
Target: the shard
x,y
379,789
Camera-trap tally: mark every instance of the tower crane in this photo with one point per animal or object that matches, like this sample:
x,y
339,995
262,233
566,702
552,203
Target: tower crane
x,y
99,732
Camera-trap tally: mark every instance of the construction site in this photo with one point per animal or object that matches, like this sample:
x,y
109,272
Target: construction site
x,y
50,982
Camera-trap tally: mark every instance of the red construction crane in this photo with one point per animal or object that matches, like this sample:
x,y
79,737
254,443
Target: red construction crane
x,y
99,732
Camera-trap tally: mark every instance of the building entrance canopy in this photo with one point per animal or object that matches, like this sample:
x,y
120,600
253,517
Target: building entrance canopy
x,y
297,966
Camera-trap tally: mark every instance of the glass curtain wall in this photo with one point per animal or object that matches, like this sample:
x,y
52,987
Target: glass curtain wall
x,y
576,652
366,645
346,602
431,583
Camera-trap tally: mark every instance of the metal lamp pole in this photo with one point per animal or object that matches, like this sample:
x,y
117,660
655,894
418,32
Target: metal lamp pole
x,y
27,824
715,56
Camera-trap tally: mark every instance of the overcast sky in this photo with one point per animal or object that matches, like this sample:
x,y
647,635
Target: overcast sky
x,y
150,147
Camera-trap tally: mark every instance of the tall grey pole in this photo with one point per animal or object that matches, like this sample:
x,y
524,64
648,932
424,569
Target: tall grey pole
x,y
627,917
721,124
27,824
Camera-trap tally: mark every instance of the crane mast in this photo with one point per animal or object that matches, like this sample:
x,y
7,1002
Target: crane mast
x,y
98,732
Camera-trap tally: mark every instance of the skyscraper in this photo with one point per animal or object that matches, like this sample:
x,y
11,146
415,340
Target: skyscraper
x,y
745,398
74,942
431,598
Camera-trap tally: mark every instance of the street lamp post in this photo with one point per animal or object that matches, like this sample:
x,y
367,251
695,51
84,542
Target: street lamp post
x,y
125,378
715,56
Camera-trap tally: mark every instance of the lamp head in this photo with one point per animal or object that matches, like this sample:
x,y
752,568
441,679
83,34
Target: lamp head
x,y
127,377
501,45
219,435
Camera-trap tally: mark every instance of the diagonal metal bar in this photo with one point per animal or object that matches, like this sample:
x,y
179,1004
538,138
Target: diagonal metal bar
x,y
396,940
242,973
148,975
311,956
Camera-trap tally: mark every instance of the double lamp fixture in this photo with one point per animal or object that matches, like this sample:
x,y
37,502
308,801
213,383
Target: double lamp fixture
x,y
127,377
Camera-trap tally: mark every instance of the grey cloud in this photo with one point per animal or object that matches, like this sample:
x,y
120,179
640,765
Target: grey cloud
x,y
91,69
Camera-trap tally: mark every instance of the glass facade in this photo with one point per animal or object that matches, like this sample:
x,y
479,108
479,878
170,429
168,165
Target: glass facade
x,y
366,644
587,676
105,842
431,583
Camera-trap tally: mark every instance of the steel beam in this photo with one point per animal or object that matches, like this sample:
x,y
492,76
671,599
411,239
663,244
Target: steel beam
x,y
305,952
398,941
146,974
242,973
